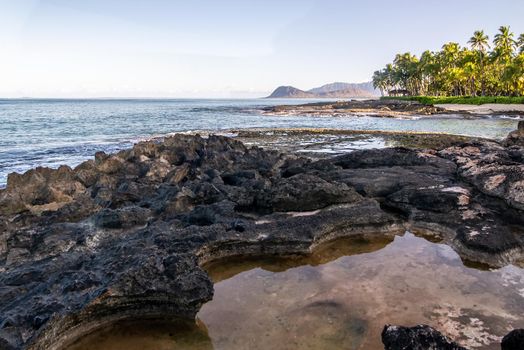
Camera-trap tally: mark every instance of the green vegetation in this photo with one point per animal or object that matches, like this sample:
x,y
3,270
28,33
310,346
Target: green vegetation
x,y
470,100
460,71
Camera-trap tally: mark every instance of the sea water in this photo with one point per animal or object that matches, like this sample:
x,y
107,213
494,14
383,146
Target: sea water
x,y
51,132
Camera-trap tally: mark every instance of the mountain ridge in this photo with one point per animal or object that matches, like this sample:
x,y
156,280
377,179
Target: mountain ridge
x,y
331,90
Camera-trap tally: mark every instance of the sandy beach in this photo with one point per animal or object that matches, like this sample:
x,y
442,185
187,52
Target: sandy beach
x,y
490,108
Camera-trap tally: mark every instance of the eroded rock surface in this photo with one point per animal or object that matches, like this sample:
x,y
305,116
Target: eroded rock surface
x,y
124,235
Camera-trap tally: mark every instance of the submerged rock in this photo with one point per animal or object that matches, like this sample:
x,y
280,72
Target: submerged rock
x,y
123,236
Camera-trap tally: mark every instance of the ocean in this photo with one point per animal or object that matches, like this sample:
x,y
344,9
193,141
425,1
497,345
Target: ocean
x,y
51,132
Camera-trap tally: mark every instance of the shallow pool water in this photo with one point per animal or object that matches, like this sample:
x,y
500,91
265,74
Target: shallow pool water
x,y
340,298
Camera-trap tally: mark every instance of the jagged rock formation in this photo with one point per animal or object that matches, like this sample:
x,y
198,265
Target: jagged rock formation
x,y
123,236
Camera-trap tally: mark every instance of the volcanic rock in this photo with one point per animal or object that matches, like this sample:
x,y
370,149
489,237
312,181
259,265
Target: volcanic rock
x,y
123,236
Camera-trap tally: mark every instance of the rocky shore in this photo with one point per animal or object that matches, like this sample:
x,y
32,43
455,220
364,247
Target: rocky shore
x,y
389,109
319,143
124,236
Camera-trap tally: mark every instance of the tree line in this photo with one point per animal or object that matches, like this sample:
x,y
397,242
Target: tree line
x,y
478,70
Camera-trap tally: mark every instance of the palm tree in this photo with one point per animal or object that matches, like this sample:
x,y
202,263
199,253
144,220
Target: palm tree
x,y
504,43
504,49
406,72
450,55
379,81
520,42
459,71
479,42
427,71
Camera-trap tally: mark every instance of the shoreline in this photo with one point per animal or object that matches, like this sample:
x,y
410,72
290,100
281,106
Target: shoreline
x,y
291,139
324,142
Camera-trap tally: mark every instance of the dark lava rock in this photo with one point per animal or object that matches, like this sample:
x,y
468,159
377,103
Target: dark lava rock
x,y
121,217
303,192
123,236
420,337
516,138
514,340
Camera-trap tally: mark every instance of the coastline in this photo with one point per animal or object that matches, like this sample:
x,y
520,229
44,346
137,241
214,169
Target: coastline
x,y
74,131
324,142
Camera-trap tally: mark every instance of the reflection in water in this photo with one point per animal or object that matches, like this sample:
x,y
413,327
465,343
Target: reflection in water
x,y
227,268
341,297
147,334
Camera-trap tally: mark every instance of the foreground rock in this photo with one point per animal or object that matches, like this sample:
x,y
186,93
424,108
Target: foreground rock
x,y
514,340
423,337
420,337
123,236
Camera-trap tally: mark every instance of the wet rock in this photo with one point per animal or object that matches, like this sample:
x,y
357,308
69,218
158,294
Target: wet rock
x,y
421,337
514,340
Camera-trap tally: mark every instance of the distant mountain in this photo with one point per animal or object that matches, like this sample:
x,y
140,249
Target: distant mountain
x,y
333,90
325,89
290,92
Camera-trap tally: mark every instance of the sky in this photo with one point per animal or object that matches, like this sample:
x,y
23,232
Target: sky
x,y
212,48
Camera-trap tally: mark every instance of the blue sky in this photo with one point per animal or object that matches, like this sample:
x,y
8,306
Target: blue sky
x,y
203,48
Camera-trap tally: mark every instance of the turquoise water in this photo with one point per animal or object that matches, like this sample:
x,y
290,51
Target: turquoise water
x,y
40,132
